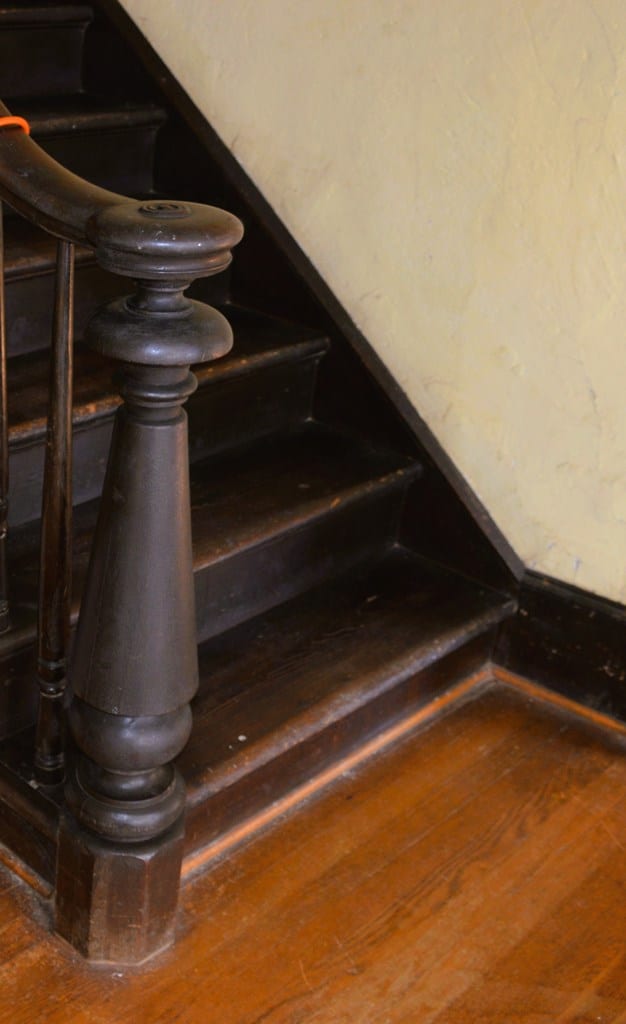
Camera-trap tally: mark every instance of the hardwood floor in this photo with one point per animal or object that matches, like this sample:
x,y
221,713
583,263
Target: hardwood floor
x,y
476,872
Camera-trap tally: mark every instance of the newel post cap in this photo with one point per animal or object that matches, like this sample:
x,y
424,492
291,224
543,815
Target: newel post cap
x,y
163,239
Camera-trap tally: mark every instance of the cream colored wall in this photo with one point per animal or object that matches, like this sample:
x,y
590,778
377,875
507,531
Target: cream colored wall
x,y
455,169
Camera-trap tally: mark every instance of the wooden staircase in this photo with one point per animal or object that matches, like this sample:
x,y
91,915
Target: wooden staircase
x,y
343,577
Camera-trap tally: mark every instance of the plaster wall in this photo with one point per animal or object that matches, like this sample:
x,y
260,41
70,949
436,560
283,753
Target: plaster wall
x,y
456,171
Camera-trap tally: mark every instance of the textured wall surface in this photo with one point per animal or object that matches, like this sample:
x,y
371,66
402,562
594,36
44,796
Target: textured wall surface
x,y
456,172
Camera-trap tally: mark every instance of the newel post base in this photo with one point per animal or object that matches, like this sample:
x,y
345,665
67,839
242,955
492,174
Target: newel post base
x,y
134,666
117,904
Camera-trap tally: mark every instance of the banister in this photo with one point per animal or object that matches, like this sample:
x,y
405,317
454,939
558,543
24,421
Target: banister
x,y
44,191
67,206
134,666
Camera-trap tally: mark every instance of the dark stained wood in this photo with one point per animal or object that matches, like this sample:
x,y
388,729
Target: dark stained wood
x,y
284,695
29,822
30,264
134,661
117,904
4,440
109,146
261,343
270,377
30,289
473,874
273,273
41,48
323,635
569,640
64,204
282,515
278,501
28,397
30,252
55,558
18,696
287,694
557,700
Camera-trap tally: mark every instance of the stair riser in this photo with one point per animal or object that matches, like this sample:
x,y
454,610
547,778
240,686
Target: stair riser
x,y
34,846
295,763
274,398
18,695
243,585
301,760
41,60
90,453
266,402
30,301
237,588
120,160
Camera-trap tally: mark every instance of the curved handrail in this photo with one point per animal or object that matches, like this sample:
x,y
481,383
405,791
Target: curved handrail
x,y
67,206
41,189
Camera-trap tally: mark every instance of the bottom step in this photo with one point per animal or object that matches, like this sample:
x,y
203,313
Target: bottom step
x,y
293,691
285,695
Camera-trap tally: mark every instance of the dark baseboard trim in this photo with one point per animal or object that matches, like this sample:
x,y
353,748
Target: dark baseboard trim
x,y
570,641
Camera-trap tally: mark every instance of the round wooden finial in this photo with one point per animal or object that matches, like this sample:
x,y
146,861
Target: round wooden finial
x,y
163,239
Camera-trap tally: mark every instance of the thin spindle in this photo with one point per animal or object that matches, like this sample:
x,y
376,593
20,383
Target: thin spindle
x,y
56,534
4,446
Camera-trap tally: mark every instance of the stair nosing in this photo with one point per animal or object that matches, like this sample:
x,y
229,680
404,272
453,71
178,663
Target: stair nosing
x,y
83,122
303,515
299,515
57,16
300,728
339,704
45,264
306,349
86,413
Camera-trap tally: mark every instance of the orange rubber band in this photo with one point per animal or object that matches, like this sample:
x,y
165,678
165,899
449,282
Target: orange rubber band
x,y
15,122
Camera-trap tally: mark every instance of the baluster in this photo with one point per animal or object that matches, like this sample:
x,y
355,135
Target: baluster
x,y
56,534
134,668
4,444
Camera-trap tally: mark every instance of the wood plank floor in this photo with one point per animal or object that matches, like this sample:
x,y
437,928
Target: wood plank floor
x,y
474,873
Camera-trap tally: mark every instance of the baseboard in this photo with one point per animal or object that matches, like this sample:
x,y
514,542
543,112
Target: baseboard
x,y
570,641
550,698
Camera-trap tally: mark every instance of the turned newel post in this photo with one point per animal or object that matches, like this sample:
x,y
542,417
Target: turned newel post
x,y
134,666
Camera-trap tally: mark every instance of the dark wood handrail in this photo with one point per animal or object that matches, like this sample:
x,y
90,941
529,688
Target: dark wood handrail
x,y
41,189
67,206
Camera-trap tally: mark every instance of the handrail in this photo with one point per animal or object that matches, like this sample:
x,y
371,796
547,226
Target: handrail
x,y
67,206
134,666
41,189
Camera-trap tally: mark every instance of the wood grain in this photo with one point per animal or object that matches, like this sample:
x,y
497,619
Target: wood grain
x,y
474,873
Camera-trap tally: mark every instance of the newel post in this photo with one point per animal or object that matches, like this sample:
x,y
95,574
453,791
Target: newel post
x,y
134,666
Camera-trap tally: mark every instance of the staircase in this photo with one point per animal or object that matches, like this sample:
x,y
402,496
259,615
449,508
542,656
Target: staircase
x,y
343,578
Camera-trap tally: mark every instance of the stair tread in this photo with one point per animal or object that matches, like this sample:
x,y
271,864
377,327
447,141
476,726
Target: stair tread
x,y
259,341
29,251
243,498
85,135
279,692
62,115
275,680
